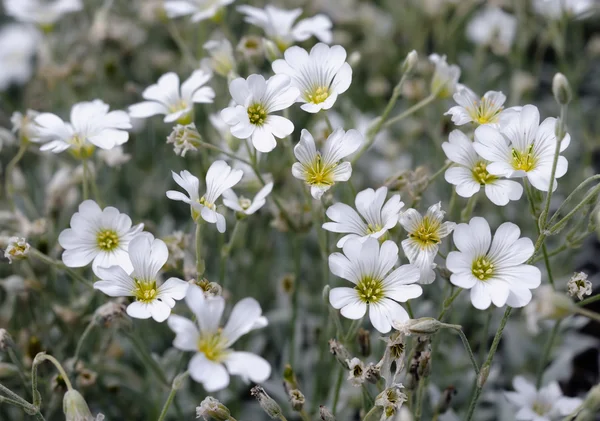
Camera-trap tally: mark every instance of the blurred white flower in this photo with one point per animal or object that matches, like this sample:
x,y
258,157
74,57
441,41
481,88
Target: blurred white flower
x,y
445,77
222,60
373,219
114,157
247,206
199,9
184,138
472,109
579,285
152,298
219,178
494,28
279,27
41,12
546,404
98,235
556,9
255,100
530,152
91,124
425,234
18,46
175,102
214,360
322,171
494,270
24,124
368,267
320,76
470,172
61,190
16,249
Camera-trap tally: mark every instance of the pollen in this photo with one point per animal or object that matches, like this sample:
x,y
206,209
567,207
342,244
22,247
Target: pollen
x,y
145,291
523,160
428,233
481,175
318,94
213,346
483,268
319,174
107,240
372,229
257,114
486,112
204,202
370,290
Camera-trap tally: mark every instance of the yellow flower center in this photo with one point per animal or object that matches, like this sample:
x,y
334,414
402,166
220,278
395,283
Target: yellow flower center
x,y
145,291
481,175
319,174
482,268
206,203
317,94
244,203
427,234
370,290
180,106
107,240
523,160
486,112
372,229
541,408
257,114
213,346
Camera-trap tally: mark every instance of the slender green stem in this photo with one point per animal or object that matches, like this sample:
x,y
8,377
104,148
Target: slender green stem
x,y
587,313
328,122
304,415
45,357
546,354
181,45
484,336
84,181
409,310
369,414
281,417
420,396
146,358
448,303
465,215
60,265
82,339
338,388
226,250
18,363
297,257
482,378
8,186
570,197
174,388
16,400
411,110
588,198
200,267
589,300
465,342
224,152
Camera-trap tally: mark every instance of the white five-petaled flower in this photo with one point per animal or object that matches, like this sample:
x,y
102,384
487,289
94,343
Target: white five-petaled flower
x,y
221,59
524,148
472,109
18,45
494,270
174,101
470,172
278,25
425,234
244,205
556,9
152,298
494,28
215,360
368,266
99,235
219,178
373,218
546,404
91,124
199,9
321,171
445,77
41,12
320,76
255,99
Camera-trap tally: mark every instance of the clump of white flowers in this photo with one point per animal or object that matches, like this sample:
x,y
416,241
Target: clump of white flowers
x,y
579,286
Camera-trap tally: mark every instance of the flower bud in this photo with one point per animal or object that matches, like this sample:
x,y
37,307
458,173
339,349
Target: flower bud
x,y
340,353
325,414
17,249
561,89
409,62
372,373
289,378
112,313
424,326
184,138
76,409
267,403
272,52
364,342
579,285
212,408
297,400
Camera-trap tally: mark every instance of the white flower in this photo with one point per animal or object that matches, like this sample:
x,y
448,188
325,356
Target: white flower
x,y
524,148
321,171
114,157
472,109
425,233
215,360
278,25
24,124
320,76
220,177
471,173
373,219
91,124
41,12
175,102
18,46
546,404
98,235
246,206
152,297
579,285
221,60
493,27
16,249
356,372
445,77
199,9
556,9
255,100
368,267
493,270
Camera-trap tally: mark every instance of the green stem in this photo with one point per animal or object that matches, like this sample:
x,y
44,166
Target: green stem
x,y
420,396
18,363
338,388
587,313
448,303
411,110
59,265
465,342
328,122
589,300
578,189
45,357
409,310
82,339
224,152
370,413
176,385
84,181
185,51
297,256
482,378
146,358
200,267
546,354
226,250
588,198
16,400
8,187
465,215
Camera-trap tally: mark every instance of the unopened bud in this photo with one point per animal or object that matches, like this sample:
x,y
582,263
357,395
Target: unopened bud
x,y
409,62
340,352
325,414
561,89
364,342
267,403
483,375
297,400
424,326
212,408
272,52
289,378
112,313
184,138
373,373
76,408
